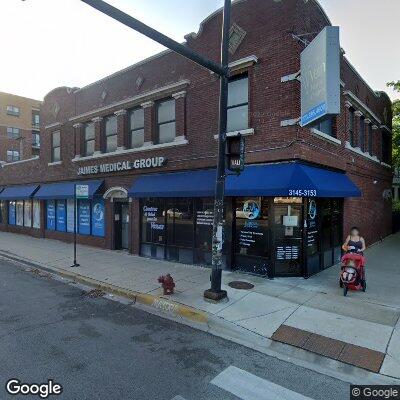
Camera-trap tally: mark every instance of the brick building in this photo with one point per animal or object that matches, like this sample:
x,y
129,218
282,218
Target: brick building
x,y
144,141
19,128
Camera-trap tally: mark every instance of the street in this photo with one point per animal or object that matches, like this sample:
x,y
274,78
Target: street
x,y
96,348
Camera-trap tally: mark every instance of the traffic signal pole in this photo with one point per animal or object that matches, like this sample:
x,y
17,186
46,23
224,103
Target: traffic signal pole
x,y
222,70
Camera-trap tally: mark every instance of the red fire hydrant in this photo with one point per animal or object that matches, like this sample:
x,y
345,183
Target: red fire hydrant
x,y
167,283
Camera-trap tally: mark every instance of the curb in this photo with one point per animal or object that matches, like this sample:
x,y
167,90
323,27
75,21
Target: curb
x,y
216,326
158,302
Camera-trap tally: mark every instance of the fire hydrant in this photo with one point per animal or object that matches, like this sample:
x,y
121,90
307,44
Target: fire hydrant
x,y
167,283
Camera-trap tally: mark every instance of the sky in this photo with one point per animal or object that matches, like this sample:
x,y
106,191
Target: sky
x,y
52,43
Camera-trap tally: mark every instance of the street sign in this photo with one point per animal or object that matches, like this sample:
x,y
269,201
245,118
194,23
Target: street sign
x,y
235,153
320,77
82,191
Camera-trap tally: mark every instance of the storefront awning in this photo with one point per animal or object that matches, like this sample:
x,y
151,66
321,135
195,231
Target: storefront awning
x,y
65,190
290,179
198,183
18,192
281,179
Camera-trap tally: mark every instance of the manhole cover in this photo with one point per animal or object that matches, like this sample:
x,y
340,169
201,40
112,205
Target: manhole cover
x,y
241,285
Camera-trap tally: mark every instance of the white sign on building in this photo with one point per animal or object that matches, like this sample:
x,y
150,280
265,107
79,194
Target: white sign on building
x,y
320,77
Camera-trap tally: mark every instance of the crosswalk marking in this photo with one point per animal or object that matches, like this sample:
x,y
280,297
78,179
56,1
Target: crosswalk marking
x,y
178,398
247,386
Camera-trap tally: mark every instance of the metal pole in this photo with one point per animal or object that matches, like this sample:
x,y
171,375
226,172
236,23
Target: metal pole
x,y
215,293
151,33
75,212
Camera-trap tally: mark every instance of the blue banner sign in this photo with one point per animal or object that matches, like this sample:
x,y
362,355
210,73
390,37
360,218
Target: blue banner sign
x,y
11,213
98,225
61,216
84,217
51,215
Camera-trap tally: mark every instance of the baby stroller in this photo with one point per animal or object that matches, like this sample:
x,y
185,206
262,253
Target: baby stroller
x,y
352,273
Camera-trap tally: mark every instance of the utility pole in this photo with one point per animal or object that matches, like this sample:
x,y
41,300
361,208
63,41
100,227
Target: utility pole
x,y
222,70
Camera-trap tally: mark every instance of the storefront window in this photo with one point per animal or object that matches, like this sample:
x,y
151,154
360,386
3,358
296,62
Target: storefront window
x,y
2,211
51,215
36,214
288,235
84,217
70,216
153,228
252,242
20,212
204,230
11,212
98,213
61,216
28,213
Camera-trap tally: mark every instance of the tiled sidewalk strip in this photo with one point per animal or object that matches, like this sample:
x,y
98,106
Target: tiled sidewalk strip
x,y
362,357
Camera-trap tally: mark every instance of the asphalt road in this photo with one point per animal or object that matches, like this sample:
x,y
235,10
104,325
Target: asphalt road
x,y
97,348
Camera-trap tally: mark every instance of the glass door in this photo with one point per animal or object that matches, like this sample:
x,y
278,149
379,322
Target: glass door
x,y
288,235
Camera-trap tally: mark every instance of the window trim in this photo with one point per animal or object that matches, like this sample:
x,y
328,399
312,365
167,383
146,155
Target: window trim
x,y
85,141
159,102
53,160
131,131
13,110
105,136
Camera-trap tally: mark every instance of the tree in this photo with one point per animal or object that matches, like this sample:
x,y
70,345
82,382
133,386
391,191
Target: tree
x,y
396,125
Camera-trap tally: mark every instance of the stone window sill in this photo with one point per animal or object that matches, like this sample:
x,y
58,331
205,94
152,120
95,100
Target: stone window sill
x,y
358,151
243,132
179,141
51,164
323,135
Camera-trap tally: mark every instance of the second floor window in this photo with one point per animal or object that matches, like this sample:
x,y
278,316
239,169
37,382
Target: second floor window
x,y
12,155
35,140
362,134
166,121
370,140
238,104
35,120
13,133
89,140
325,126
386,147
137,128
111,134
13,110
351,126
56,146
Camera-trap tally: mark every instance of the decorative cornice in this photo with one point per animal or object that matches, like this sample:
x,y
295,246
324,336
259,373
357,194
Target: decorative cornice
x,y
51,126
243,63
359,113
97,119
147,104
179,95
120,112
133,101
363,105
348,104
385,127
375,127
77,126
367,121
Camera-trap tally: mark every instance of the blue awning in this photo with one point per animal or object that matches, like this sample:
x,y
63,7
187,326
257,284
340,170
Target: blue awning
x,y
291,179
281,179
198,183
65,190
18,192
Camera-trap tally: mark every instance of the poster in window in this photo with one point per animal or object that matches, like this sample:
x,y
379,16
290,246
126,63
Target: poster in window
x,y
20,212
11,212
70,215
28,213
84,217
98,217
36,214
51,215
61,216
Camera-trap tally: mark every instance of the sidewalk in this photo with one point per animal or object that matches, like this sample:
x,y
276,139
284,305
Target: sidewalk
x,y
362,329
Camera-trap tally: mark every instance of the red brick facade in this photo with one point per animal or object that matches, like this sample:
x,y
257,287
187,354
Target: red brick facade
x,y
272,35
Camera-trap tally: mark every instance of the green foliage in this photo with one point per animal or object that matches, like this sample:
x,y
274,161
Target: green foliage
x,y
396,125
396,206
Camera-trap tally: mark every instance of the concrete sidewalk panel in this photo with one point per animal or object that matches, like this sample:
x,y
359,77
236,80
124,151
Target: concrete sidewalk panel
x,y
350,330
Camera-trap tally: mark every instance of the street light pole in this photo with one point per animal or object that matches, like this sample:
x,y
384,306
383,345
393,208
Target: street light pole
x,y
215,292
222,70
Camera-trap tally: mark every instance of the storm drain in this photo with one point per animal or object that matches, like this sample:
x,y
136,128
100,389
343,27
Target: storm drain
x,y
93,294
240,285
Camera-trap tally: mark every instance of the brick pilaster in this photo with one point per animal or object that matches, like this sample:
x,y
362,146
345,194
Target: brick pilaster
x,y
122,129
79,132
98,134
149,123
180,113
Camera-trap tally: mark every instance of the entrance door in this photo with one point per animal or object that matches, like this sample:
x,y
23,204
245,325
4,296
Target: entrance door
x,y
121,225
